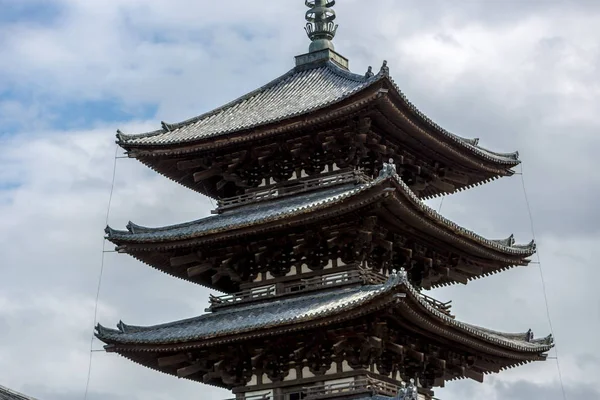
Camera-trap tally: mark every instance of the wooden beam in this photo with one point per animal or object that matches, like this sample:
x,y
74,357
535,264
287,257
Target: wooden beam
x,y
199,269
172,360
458,277
206,174
487,366
405,251
190,164
476,376
428,262
458,178
442,185
468,268
217,277
375,342
182,260
191,369
437,362
395,348
415,355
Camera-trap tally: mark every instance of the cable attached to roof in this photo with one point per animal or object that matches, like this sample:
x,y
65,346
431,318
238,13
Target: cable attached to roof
x,y
110,197
539,264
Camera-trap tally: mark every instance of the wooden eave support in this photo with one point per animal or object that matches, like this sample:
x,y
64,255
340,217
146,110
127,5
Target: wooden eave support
x,y
427,262
476,376
454,177
191,369
199,269
206,174
442,185
454,275
415,355
437,362
183,260
395,348
468,268
172,360
190,164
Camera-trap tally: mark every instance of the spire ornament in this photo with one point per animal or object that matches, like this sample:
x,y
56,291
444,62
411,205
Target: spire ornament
x,y
320,27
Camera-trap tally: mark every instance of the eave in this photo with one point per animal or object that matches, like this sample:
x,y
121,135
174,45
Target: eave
x,y
396,299
378,93
400,208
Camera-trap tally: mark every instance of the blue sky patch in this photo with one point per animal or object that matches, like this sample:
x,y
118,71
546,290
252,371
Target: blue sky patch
x,y
43,12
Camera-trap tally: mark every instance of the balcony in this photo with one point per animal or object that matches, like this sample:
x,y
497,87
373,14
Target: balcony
x,y
304,285
368,386
291,188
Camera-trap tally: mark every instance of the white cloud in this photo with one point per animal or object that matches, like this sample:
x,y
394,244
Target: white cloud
x,y
527,81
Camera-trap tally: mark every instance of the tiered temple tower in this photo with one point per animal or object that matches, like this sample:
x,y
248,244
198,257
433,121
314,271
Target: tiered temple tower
x,y
321,244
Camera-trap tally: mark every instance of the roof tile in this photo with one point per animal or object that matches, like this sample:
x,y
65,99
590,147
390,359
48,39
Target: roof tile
x,y
300,309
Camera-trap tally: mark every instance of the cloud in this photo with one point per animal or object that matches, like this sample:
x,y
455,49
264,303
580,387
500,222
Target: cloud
x,y
518,75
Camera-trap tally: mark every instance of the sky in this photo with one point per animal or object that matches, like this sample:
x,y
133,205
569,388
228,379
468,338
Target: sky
x,y
519,75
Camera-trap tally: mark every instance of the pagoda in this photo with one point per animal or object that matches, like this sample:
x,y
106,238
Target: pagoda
x,y
321,246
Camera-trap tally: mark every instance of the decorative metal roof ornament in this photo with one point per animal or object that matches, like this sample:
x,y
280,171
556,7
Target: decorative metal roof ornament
x,y
529,335
408,392
388,169
320,27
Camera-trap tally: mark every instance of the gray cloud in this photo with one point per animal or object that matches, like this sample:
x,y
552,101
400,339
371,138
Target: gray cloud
x,y
521,76
528,390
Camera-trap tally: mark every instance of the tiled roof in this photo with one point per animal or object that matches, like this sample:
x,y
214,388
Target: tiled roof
x,y
273,210
305,308
7,394
243,216
247,318
299,91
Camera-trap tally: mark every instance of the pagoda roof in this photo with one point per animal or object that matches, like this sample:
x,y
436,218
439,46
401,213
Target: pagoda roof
x,y
8,394
297,92
300,91
267,215
304,310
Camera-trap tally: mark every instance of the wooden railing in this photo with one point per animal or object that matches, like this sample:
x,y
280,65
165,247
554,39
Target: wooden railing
x,y
442,307
367,385
324,391
304,285
316,283
290,188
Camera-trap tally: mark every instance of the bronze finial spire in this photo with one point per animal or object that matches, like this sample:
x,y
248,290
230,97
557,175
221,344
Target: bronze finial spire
x,y
320,27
